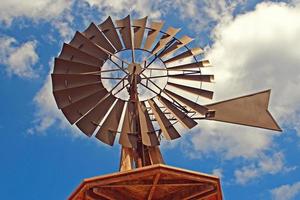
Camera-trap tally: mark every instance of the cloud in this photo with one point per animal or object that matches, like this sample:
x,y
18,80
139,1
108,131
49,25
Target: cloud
x,y
286,192
35,10
218,172
18,59
253,52
265,165
203,15
121,8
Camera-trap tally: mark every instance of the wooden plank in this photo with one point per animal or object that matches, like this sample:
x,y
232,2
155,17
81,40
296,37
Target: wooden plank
x,y
126,161
155,181
155,155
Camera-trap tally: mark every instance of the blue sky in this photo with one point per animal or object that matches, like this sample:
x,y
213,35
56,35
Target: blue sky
x,y
253,45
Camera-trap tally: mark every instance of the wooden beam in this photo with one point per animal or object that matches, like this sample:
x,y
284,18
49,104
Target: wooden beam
x,y
205,195
126,161
107,193
155,181
147,185
91,195
202,193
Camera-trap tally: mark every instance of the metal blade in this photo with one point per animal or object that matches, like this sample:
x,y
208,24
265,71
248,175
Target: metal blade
x,y
68,96
62,66
76,110
65,81
186,54
91,120
175,46
203,63
109,30
201,92
178,114
155,28
84,44
200,77
128,137
167,37
149,137
73,54
139,29
249,110
168,130
125,31
108,130
192,105
96,36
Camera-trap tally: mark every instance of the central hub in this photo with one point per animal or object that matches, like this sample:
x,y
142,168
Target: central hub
x,y
134,68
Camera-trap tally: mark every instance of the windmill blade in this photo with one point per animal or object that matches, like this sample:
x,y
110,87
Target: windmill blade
x,y
108,131
176,45
249,110
155,28
178,114
71,95
201,92
73,54
149,137
65,81
139,29
125,31
84,44
76,110
91,120
203,63
167,37
186,54
192,105
109,30
128,137
62,66
96,36
168,130
200,77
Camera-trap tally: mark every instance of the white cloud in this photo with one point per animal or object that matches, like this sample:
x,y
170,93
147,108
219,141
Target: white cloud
x,y
253,52
18,59
121,8
35,10
204,14
265,165
218,172
286,192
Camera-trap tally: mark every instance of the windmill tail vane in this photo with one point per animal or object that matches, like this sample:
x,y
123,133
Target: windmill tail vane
x,y
138,80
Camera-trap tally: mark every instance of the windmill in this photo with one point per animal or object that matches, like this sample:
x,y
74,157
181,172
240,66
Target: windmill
x,y
134,82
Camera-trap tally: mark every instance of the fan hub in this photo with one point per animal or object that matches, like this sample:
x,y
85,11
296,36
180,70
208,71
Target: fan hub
x,y
134,68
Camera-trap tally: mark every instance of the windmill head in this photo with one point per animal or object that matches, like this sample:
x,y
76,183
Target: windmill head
x,y
138,80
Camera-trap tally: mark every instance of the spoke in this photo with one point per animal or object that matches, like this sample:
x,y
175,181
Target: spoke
x,y
149,88
111,54
156,55
116,64
124,86
112,78
110,70
164,76
118,83
181,70
161,90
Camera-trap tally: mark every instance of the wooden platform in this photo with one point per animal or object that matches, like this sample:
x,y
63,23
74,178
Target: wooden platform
x,y
152,182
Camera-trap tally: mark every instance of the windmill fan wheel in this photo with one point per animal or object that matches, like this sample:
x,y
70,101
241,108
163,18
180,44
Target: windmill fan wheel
x,y
130,77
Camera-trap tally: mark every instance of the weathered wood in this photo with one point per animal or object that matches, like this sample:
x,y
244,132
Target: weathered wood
x,y
126,161
159,182
155,181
